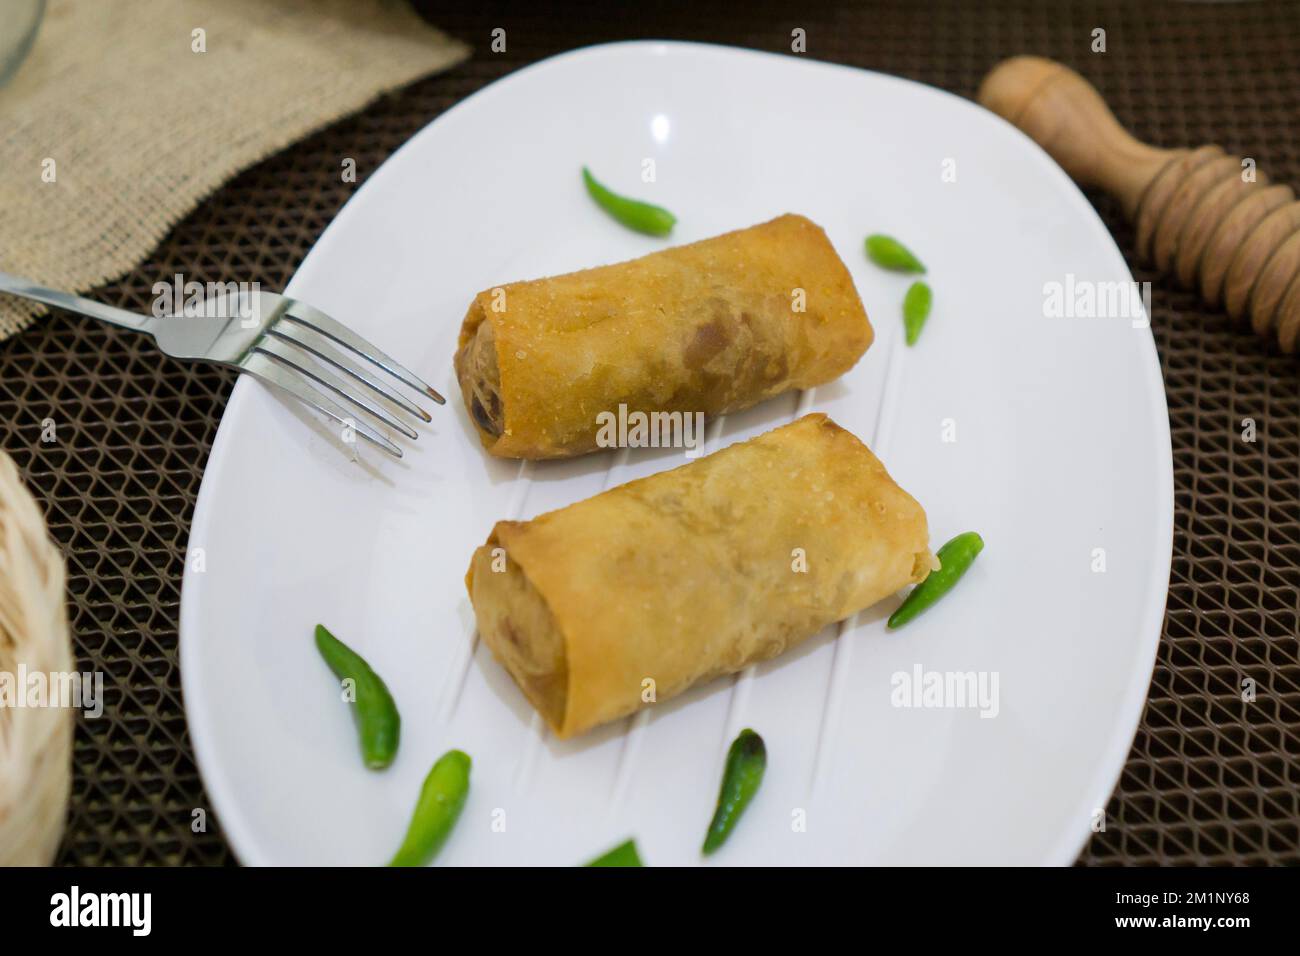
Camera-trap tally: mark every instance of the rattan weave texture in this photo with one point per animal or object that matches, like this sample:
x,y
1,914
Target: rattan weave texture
x,y
1210,779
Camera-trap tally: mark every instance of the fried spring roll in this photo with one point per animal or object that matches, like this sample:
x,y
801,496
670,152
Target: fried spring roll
x,y
695,572
711,327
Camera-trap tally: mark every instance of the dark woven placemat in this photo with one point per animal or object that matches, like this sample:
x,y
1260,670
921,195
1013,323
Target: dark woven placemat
x,y
1211,779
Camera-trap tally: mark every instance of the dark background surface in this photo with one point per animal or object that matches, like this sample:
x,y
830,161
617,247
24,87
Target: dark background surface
x,y
1210,779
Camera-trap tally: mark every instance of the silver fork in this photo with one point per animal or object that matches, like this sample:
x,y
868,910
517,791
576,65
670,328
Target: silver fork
x,y
281,341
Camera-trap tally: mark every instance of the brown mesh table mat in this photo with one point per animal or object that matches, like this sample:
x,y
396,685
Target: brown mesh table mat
x,y
1210,779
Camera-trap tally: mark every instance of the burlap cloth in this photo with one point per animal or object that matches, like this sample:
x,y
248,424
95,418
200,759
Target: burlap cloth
x,y
1209,778
129,112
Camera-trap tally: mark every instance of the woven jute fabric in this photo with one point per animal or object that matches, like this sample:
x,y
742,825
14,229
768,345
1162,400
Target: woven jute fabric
x,y
1210,778
129,112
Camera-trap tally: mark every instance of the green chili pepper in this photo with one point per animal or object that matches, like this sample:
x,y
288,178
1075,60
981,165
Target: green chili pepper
x,y
379,726
441,799
746,761
637,215
954,558
889,253
622,855
916,309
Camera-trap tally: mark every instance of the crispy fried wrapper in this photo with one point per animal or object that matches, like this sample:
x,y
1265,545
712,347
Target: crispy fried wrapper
x,y
693,573
711,327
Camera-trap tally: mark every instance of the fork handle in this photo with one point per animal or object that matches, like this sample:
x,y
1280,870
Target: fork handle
x,y
27,289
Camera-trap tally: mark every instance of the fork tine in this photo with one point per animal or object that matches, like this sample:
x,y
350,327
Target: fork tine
x,y
311,341
267,370
327,380
314,318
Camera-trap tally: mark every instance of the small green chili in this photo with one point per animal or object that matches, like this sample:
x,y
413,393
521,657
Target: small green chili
x,y
379,726
888,253
624,854
916,309
746,761
637,215
441,799
954,558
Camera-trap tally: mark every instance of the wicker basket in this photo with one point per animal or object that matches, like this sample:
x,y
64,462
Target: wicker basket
x,y
35,742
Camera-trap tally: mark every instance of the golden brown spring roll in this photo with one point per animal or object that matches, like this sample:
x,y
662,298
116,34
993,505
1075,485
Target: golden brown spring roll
x,y
711,327
694,572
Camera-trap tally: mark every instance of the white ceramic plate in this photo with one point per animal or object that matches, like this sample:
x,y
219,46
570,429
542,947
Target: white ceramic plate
x,y
1062,447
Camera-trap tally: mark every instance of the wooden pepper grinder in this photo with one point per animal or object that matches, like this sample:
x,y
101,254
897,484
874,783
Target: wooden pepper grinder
x,y
1199,213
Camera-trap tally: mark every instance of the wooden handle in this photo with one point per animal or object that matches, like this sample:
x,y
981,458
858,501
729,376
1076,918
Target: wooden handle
x,y
1208,217
1064,114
